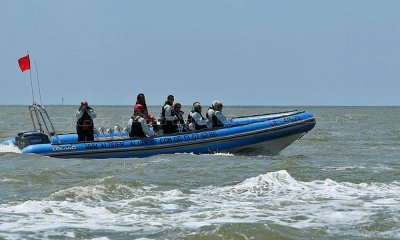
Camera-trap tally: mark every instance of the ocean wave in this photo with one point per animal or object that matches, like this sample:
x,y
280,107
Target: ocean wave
x,y
277,197
274,198
14,180
106,189
282,182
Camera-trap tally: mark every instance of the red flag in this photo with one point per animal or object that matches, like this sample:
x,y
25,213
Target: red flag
x,y
24,63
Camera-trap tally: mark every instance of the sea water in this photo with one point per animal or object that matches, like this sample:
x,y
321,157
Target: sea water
x,y
340,181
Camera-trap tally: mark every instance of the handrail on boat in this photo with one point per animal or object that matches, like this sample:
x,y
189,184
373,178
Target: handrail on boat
x,y
42,122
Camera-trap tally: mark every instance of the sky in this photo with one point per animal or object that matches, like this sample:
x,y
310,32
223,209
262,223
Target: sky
x,y
241,52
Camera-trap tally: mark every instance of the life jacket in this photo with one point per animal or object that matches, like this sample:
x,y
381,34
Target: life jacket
x,y
136,128
180,124
214,119
191,120
170,126
179,117
85,122
162,120
212,108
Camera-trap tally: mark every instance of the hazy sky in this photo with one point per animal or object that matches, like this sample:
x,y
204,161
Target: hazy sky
x,y
242,52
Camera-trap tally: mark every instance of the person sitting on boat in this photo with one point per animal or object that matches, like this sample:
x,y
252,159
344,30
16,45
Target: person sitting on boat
x,y
179,123
196,120
84,124
215,115
167,116
141,100
137,125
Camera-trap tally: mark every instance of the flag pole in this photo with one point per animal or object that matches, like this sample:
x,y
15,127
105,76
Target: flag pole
x,y
30,76
37,77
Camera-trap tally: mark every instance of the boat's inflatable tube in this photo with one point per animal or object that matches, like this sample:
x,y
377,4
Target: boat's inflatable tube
x,y
271,134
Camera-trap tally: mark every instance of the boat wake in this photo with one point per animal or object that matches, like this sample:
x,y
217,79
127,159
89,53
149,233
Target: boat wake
x,y
221,154
6,148
208,154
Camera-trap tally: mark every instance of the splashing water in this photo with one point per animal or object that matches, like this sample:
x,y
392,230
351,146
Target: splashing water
x,y
272,198
10,147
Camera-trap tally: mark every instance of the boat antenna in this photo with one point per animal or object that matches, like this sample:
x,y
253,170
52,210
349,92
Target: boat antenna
x,y
30,76
37,77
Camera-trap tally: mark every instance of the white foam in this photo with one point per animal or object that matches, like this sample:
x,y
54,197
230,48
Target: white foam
x,y
279,198
10,147
12,180
343,168
221,154
99,192
208,154
275,197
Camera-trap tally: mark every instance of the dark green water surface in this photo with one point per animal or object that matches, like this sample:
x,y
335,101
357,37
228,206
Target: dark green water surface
x,y
340,181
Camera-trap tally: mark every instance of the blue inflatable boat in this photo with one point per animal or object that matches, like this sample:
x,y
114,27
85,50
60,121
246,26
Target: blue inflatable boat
x,y
260,134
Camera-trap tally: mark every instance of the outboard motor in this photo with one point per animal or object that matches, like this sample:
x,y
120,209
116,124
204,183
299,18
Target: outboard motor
x,y
18,138
31,138
43,129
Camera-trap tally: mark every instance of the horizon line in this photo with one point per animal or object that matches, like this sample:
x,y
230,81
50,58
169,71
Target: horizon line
x,y
233,105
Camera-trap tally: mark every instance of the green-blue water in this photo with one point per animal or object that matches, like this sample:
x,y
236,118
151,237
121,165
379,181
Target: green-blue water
x,y
340,181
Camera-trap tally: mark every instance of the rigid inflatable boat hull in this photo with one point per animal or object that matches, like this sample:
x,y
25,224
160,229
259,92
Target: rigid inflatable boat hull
x,y
258,135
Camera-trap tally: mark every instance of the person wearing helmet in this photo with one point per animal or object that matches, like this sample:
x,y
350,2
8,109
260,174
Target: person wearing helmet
x,y
84,124
141,100
137,125
196,120
215,116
